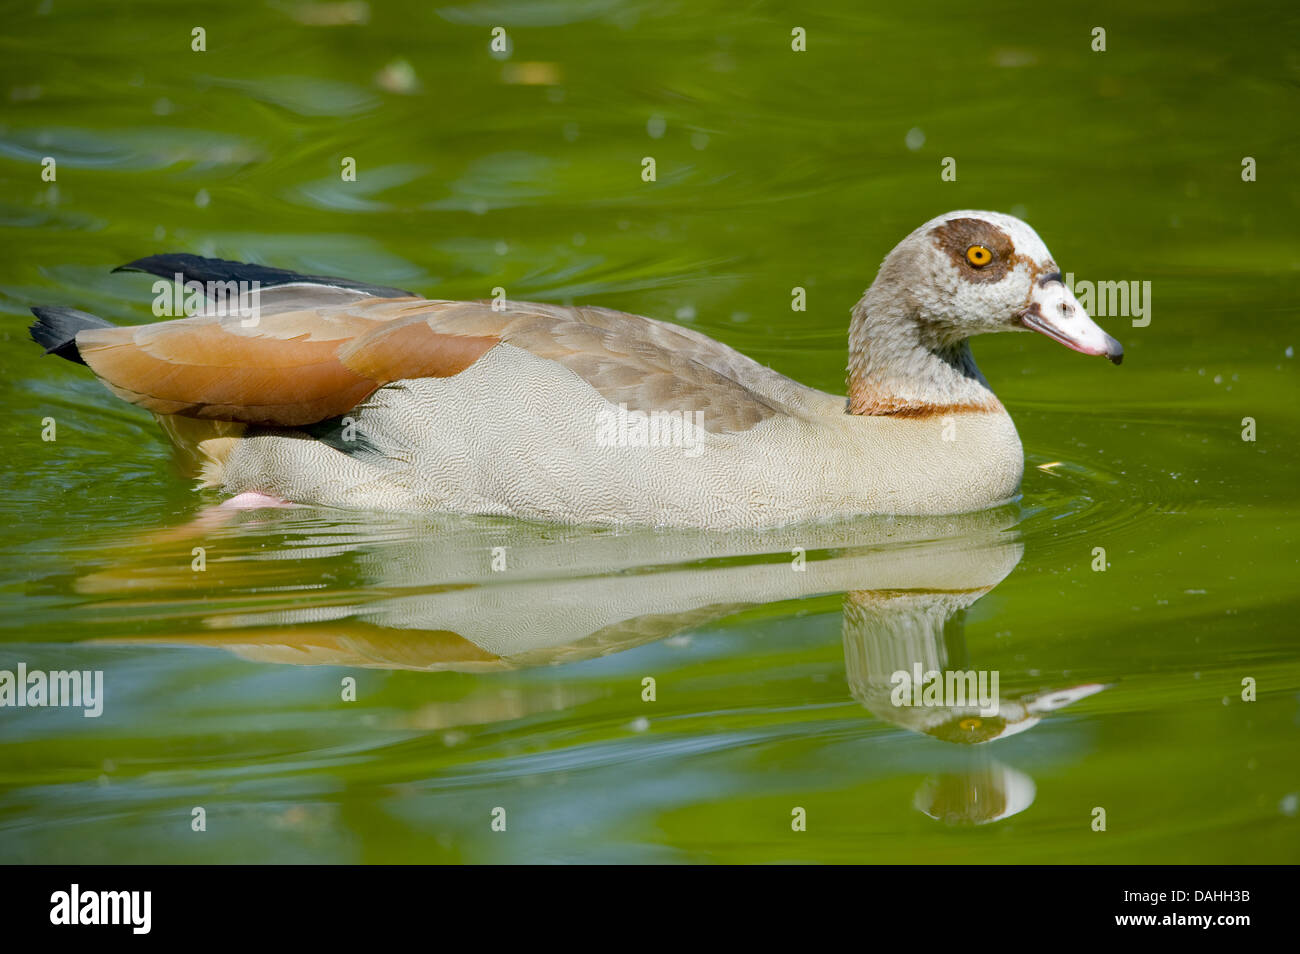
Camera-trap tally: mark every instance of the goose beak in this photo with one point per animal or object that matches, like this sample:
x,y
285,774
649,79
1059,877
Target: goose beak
x,y
1054,311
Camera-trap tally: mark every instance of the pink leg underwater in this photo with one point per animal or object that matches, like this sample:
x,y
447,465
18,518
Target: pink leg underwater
x,y
217,515
252,500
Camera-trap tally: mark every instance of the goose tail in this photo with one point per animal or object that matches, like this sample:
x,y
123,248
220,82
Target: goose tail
x,y
56,327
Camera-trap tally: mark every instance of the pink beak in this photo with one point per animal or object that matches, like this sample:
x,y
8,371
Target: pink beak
x,y
1054,311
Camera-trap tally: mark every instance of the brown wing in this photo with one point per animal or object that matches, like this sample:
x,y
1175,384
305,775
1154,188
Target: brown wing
x,y
288,370
298,367
646,364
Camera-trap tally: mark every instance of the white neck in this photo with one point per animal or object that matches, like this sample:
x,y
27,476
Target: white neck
x,y
900,366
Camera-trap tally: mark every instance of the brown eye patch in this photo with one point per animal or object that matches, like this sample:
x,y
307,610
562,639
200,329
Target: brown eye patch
x,y
958,237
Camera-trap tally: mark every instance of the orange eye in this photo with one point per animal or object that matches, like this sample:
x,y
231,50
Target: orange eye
x,y
978,256
970,724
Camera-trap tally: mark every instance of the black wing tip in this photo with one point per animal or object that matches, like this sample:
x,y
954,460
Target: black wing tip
x,y
199,268
55,329
333,432
169,263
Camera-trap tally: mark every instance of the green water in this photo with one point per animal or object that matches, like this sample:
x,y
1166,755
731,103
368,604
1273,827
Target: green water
x,y
522,689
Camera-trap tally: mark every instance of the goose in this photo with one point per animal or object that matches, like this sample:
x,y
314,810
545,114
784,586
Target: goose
x,y
337,393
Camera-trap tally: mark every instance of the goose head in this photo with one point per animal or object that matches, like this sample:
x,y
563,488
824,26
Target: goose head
x,y
961,274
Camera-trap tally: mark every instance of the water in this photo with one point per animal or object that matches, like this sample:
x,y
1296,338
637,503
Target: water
x,y
523,689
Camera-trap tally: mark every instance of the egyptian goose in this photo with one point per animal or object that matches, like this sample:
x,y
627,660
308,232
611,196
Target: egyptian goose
x,y
338,393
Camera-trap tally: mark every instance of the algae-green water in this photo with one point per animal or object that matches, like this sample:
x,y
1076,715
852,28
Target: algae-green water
x,y
333,686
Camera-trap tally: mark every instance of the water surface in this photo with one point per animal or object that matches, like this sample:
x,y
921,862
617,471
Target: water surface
x,y
523,689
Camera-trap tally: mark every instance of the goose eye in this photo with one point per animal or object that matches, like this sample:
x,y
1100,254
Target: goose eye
x,y
970,724
978,255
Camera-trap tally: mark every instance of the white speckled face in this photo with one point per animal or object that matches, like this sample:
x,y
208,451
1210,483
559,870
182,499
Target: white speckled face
x,y
978,272
983,266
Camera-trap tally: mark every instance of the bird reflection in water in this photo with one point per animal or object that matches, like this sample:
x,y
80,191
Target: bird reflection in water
x,y
437,600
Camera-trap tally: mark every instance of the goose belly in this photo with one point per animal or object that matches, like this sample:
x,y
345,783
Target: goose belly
x,y
521,436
